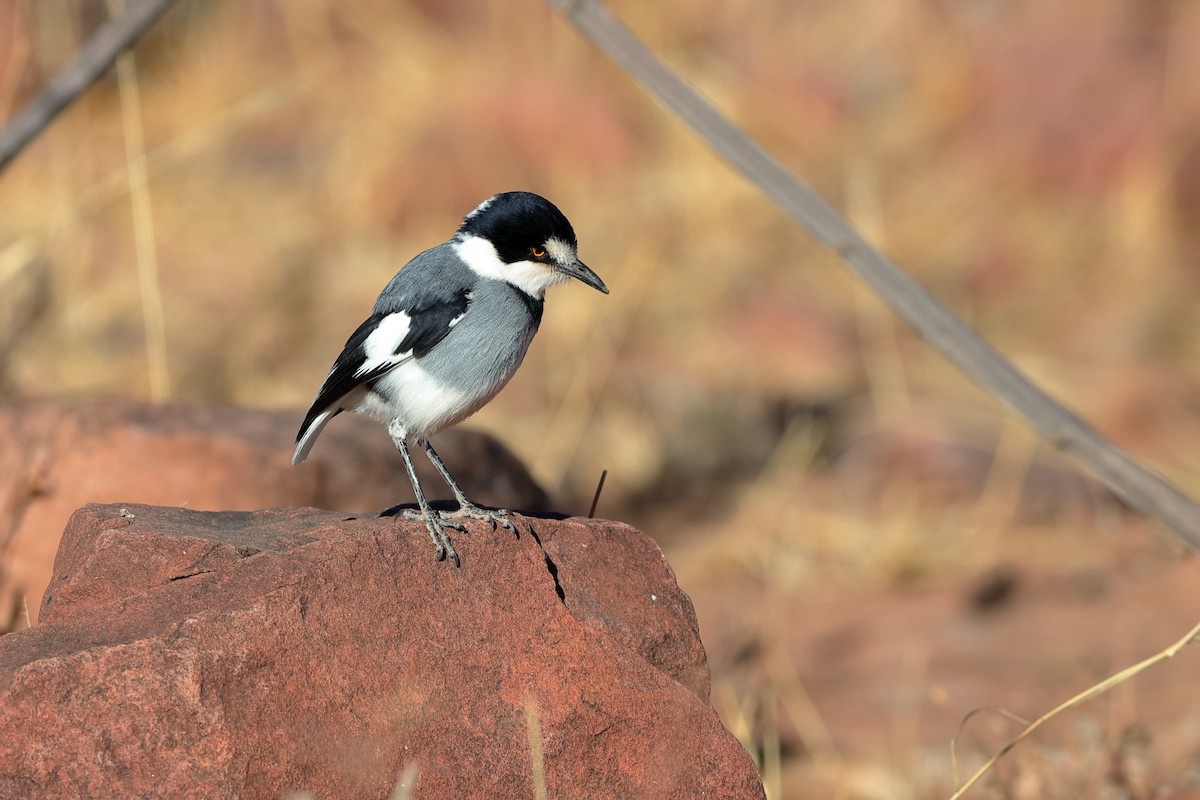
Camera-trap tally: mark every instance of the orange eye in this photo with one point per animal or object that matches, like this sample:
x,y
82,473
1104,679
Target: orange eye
x,y
537,252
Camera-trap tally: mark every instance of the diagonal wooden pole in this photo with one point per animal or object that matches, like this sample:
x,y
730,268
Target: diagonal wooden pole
x,y
1142,489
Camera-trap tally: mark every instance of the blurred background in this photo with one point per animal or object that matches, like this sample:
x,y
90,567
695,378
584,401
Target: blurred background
x,y
875,546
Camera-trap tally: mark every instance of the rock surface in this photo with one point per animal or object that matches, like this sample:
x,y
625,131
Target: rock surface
x,y
248,654
56,457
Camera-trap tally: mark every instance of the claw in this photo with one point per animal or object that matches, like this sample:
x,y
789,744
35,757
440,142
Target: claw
x,y
493,518
436,523
445,548
436,526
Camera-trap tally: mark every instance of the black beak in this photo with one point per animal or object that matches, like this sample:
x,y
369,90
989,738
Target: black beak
x,y
581,271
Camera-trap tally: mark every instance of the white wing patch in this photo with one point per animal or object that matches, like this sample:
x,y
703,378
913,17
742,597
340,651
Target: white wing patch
x,y
470,297
379,348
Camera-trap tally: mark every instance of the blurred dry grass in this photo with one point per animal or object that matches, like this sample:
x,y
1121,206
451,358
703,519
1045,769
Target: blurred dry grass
x,y
1036,165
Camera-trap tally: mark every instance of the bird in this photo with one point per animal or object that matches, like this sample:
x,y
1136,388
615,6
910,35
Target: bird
x,y
446,334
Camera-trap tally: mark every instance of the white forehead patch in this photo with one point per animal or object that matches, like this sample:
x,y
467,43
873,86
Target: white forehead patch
x,y
560,251
479,209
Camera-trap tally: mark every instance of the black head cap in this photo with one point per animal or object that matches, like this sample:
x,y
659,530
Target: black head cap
x,y
516,221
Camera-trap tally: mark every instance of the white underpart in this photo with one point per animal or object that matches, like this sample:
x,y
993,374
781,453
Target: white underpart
x,y
407,392
379,349
531,277
421,403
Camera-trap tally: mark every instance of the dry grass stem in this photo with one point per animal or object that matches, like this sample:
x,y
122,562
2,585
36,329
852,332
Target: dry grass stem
x,y
406,787
153,318
536,757
16,257
962,727
772,750
1079,699
800,709
884,365
596,496
1000,498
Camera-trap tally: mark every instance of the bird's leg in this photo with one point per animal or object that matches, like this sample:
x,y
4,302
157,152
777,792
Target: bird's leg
x,y
466,508
433,522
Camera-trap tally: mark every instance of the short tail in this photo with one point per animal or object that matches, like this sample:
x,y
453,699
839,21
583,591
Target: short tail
x,y
310,430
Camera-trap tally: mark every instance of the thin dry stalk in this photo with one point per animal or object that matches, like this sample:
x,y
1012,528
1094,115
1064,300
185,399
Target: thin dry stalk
x,y
406,787
886,378
737,716
962,724
1000,499
16,258
1079,699
183,148
153,319
772,750
536,757
596,496
800,708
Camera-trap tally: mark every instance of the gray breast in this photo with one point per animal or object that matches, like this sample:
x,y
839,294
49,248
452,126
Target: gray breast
x,y
487,345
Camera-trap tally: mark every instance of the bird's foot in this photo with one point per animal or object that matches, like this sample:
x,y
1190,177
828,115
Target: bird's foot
x,y
495,517
436,524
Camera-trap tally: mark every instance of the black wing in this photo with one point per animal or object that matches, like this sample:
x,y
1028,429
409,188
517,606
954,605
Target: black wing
x,y
430,319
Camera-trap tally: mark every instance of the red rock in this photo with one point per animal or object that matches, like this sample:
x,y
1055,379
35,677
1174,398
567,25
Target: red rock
x,y
56,458
247,654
